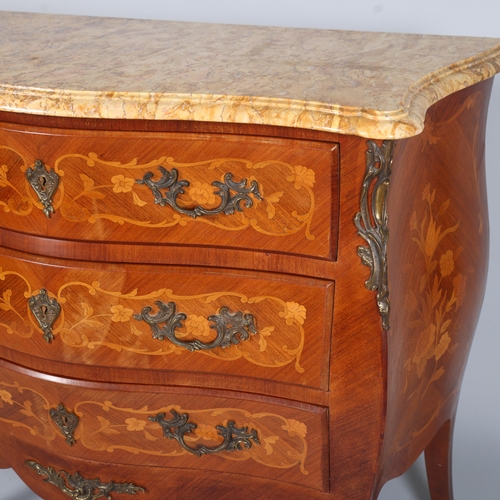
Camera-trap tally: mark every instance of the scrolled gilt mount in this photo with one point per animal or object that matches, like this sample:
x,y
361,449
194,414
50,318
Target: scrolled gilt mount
x,y
79,488
172,188
234,438
231,327
372,222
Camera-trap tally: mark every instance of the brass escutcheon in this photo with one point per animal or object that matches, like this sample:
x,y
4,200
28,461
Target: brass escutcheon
x,y
66,420
45,183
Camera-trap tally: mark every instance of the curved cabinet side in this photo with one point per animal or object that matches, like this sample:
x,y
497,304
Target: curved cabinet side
x,y
357,363
437,258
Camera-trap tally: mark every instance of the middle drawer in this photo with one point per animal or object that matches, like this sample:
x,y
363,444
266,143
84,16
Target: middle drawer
x,y
238,323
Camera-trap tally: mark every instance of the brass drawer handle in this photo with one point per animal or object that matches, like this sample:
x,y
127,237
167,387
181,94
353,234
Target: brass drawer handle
x,y
67,422
234,438
231,327
44,182
173,187
79,488
46,310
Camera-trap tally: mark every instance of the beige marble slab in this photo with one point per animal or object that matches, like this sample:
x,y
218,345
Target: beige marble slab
x,y
375,85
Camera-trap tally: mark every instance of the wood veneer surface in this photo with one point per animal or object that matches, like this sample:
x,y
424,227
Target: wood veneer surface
x,y
98,324
439,243
391,394
292,210
114,426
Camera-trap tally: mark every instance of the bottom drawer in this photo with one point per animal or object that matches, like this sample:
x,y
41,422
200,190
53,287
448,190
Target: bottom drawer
x,y
167,427
55,477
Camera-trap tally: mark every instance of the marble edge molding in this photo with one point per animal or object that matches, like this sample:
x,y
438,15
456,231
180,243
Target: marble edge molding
x,y
404,122
439,84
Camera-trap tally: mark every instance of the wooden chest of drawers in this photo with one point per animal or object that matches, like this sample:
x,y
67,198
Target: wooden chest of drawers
x,y
199,294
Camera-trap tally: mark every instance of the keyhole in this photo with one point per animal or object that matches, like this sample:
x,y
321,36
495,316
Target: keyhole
x,y
65,420
42,181
44,310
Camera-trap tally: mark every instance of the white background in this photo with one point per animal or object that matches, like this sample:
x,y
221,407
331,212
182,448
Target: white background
x,y
477,434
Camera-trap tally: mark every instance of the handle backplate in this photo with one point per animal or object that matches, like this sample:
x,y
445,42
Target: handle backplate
x,y
172,187
231,327
178,426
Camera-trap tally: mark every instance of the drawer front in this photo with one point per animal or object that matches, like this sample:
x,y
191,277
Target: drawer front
x,y
246,192
177,319
167,428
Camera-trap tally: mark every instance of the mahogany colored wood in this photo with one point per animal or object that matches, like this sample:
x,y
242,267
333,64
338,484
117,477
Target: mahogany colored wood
x,y
98,198
438,460
377,398
438,254
99,303
5,463
115,426
124,374
181,484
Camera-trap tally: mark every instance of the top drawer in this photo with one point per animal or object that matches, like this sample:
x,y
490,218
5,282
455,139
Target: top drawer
x,y
267,194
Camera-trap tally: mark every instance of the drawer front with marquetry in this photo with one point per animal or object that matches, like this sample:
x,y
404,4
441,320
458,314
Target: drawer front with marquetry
x,y
167,427
165,318
266,194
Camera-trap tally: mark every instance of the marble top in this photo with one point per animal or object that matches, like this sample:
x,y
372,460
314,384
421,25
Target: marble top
x,y
376,85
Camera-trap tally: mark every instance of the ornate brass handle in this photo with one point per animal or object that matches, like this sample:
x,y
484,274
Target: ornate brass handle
x,y
234,438
79,488
230,327
173,187
46,310
45,183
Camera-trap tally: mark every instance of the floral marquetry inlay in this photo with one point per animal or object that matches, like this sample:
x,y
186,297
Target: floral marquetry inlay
x,y
106,427
432,309
441,289
107,318
27,409
286,206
